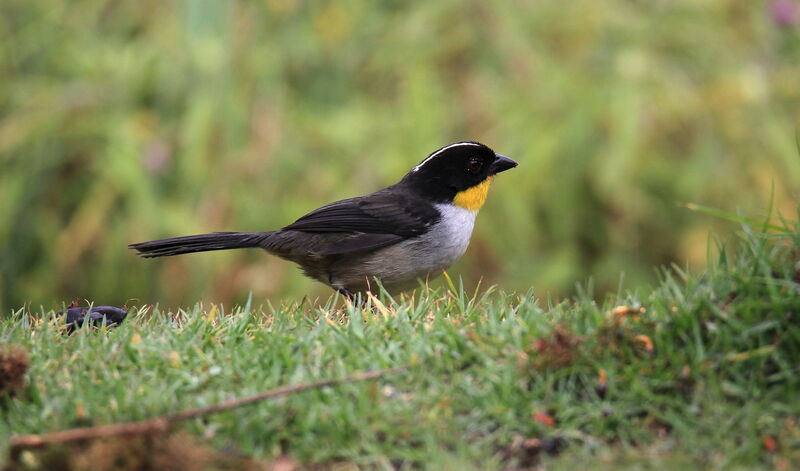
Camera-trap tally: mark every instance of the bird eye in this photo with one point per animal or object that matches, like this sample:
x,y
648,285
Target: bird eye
x,y
474,166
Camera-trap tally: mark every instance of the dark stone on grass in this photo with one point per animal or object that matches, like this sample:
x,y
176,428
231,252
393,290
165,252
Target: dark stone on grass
x,y
554,445
525,453
97,316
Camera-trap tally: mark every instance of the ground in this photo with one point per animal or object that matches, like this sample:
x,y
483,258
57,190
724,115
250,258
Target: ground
x,y
699,371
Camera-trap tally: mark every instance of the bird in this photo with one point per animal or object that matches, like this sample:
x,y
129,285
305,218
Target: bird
x,y
406,232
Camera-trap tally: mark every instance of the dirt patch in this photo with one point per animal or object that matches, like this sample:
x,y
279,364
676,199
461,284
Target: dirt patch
x,y
557,351
14,365
155,451
622,332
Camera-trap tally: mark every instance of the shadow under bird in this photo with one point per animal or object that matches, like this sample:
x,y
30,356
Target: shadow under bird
x,y
411,230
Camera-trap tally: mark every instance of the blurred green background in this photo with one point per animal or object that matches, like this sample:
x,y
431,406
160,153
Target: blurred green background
x,y
124,121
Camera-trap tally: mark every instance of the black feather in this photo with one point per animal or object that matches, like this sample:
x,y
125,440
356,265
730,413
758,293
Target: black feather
x,y
361,242
199,243
389,211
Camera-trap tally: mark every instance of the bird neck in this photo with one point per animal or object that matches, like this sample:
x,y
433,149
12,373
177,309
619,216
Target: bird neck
x,y
473,198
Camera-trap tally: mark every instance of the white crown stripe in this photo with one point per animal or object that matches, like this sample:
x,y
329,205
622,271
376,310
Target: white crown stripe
x,y
442,150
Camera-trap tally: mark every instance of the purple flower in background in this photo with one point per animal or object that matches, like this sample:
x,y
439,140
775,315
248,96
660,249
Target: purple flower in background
x,y
785,13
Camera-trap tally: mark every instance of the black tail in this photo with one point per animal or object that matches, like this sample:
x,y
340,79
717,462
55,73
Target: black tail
x,y
199,243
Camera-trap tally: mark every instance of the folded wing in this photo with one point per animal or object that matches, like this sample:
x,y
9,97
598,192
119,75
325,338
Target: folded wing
x,y
375,221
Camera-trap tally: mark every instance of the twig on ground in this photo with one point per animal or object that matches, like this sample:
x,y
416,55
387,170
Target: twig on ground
x,y
164,422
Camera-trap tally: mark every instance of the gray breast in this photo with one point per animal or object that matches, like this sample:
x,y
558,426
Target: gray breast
x,y
400,265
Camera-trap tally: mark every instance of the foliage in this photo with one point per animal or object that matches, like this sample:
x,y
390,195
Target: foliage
x,y
123,121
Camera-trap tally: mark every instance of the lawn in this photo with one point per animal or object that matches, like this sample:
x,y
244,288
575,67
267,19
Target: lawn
x,y
699,371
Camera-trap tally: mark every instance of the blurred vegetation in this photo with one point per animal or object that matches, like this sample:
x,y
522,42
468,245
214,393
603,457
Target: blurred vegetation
x,y
124,121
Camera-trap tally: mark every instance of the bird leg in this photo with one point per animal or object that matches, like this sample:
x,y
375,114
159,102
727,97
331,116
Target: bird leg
x,y
346,293
341,289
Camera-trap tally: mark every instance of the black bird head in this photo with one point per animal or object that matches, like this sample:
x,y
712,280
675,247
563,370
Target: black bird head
x,y
459,173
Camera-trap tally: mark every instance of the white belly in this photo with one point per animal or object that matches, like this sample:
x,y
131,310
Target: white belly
x,y
399,266
449,238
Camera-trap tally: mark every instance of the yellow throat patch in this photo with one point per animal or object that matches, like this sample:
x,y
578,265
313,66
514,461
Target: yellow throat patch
x,y
473,198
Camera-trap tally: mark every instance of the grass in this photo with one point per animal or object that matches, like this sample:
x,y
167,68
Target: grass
x,y
699,371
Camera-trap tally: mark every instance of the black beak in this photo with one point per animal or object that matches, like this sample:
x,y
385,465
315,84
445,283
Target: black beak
x,y
501,164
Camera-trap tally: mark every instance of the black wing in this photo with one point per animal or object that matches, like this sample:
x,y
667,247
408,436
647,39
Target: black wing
x,y
376,220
